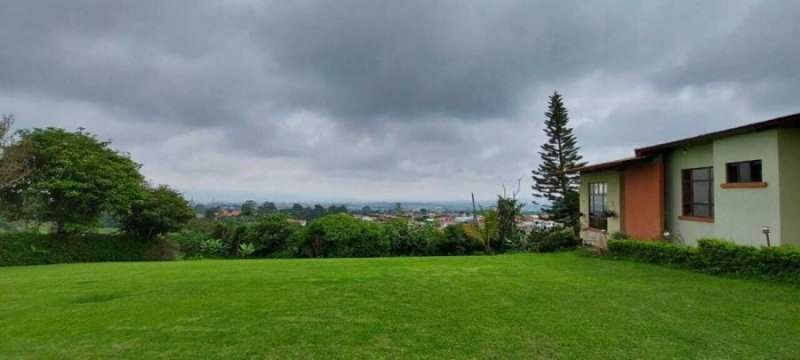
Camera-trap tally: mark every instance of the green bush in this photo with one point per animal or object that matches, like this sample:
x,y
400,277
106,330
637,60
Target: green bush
x,y
457,240
718,256
781,262
212,247
555,240
425,240
400,236
189,242
37,249
270,233
408,240
657,252
341,235
715,256
246,249
620,236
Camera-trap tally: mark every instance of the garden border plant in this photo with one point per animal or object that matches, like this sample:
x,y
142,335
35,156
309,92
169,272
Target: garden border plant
x,y
715,256
40,249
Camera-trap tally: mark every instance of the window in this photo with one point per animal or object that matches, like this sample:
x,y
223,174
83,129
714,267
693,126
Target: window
x,y
598,201
698,193
744,171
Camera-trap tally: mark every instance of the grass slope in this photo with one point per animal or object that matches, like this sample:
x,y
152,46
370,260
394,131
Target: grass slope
x,y
518,306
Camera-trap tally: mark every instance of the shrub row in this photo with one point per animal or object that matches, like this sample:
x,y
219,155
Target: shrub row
x,y
715,256
552,240
38,249
341,235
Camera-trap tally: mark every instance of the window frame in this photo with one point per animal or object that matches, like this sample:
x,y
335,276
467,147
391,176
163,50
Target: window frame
x,y
734,168
598,220
688,208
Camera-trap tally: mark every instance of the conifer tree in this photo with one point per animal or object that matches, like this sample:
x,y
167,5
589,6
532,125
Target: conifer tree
x,y
559,153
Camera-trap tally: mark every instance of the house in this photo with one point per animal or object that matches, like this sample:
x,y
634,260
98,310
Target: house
x,y
227,214
740,184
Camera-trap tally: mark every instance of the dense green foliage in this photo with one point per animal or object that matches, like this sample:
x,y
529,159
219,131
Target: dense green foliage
x,y
555,240
270,233
489,232
73,179
559,154
189,242
547,306
715,256
298,211
38,249
338,235
162,210
15,159
458,239
341,235
248,208
508,208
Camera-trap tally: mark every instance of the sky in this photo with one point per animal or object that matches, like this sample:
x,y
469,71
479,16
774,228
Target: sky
x,y
387,100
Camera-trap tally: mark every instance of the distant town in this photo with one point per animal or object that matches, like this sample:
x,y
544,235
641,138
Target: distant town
x,y
441,214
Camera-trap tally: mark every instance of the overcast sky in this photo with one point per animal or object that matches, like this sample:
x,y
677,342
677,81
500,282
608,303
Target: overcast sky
x,y
387,100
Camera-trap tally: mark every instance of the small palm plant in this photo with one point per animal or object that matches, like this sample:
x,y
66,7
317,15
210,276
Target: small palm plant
x,y
246,250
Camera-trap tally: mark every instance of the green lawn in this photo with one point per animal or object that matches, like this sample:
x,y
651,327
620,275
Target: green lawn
x,y
565,305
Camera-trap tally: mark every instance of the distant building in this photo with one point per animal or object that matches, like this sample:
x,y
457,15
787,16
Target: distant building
x,y
227,214
463,219
300,222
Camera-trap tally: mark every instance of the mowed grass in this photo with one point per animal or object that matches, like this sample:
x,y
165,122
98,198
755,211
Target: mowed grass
x,y
565,305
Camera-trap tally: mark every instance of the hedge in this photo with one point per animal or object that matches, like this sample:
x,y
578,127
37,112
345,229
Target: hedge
x,y
715,256
39,249
555,240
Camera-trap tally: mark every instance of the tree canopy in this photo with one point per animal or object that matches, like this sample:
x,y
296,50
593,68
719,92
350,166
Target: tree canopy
x,y
163,210
73,178
14,154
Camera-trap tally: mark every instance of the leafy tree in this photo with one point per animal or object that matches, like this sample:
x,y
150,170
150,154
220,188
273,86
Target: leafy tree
x,y
508,207
14,155
426,239
73,178
266,208
248,208
341,235
400,236
558,154
163,210
211,212
457,240
489,233
270,233
366,210
334,209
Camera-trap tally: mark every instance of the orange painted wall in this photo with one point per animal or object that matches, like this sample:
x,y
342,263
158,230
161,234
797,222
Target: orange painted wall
x,y
643,201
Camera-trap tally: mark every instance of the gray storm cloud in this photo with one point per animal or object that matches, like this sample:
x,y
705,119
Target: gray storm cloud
x,y
387,100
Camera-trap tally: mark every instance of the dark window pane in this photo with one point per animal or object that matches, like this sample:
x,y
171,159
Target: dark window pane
x,y
732,172
743,171
756,171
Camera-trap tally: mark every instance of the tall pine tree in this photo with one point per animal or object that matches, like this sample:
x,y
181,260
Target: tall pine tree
x,y
559,153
